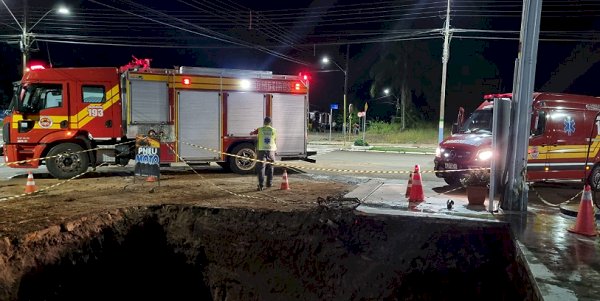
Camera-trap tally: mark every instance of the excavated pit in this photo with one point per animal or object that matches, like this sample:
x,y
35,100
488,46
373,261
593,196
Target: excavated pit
x,y
192,253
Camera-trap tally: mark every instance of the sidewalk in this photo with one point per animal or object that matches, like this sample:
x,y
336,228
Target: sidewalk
x,y
563,265
426,149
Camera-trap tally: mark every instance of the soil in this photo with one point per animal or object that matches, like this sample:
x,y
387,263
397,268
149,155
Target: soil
x,y
106,191
212,236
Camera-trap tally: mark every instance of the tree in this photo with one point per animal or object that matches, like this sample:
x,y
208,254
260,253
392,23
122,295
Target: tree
x,y
412,69
409,70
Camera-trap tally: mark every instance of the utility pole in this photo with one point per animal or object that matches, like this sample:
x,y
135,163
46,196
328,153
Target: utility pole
x,y
445,57
403,115
345,91
515,197
25,39
404,89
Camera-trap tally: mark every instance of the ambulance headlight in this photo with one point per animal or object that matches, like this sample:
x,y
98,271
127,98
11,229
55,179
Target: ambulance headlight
x,y
485,155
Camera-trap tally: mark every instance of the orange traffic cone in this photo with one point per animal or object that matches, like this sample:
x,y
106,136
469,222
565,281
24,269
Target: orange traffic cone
x,y
285,185
409,185
416,190
30,186
586,223
151,179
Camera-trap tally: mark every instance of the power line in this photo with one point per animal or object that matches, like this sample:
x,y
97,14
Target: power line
x,y
229,40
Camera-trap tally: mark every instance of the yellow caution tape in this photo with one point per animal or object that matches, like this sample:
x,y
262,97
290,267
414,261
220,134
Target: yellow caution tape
x,y
59,155
331,169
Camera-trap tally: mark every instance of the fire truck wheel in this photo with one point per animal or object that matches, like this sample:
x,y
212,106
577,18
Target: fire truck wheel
x,y
70,161
243,166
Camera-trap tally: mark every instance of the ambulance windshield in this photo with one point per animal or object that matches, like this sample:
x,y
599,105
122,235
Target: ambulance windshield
x,y
479,122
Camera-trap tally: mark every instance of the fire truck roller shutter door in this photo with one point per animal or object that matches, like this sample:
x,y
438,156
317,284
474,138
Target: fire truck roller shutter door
x,y
149,101
245,112
289,119
199,123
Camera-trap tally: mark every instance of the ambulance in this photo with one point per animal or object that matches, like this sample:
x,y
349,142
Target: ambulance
x,y
564,140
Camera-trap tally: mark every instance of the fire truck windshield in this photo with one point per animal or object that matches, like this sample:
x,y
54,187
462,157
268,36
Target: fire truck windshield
x,y
479,122
33,98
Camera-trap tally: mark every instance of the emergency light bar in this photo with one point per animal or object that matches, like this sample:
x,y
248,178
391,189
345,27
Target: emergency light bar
x,y
502,95
36,67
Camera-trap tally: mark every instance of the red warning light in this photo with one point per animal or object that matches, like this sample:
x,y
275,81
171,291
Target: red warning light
x,y
36,67
492,96
304,76
186,81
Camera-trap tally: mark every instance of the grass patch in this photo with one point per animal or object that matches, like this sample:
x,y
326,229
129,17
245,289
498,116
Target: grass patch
x,y
388,133
403,149
381,132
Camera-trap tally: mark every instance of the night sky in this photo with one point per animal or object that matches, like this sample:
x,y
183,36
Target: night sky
x,y
288,37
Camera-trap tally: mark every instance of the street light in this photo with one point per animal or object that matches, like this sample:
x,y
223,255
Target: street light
x,y
25,43
326,61
399,103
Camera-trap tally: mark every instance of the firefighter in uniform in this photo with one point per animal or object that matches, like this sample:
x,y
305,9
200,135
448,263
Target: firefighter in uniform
x,y
266,147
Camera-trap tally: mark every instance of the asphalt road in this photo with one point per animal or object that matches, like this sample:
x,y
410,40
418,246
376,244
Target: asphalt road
x,y
330,157
360,160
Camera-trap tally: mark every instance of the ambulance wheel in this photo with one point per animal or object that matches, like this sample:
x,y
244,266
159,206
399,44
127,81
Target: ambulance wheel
x,y
595,178
241,165
69,161
453,180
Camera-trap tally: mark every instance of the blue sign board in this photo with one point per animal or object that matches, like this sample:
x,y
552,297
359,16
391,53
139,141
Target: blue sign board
x,y
334,106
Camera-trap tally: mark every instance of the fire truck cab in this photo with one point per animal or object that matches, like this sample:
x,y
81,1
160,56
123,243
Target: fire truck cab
x,y
563,128
72,118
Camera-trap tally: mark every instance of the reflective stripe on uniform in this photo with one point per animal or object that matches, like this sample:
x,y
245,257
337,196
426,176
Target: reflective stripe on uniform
x,y
267,137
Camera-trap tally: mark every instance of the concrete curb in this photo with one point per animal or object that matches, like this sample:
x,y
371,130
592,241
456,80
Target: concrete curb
x,y
414,150
573,209
393,152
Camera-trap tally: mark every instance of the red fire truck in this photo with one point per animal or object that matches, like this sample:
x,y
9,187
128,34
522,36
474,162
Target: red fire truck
x,y
60,112
563,128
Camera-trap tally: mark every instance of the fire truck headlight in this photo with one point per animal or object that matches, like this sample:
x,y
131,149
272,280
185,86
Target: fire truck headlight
x,y
485,155
439,151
